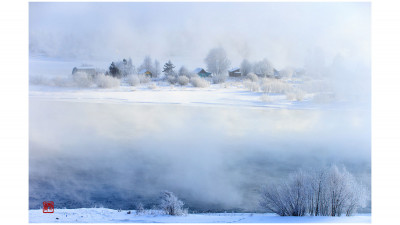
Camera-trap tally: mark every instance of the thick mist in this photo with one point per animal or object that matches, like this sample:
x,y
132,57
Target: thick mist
x,y
214,158
288,34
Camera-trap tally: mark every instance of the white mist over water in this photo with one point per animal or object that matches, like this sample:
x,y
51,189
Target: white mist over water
x,y
214,158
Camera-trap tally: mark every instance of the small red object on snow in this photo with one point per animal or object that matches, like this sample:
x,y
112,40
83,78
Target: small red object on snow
x,y
48,207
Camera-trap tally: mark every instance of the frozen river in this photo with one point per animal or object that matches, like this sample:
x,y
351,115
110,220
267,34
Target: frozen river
x,y
214,158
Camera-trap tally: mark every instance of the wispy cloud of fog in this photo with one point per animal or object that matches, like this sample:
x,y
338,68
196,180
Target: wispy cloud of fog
x,y
118,155
82,155
285,33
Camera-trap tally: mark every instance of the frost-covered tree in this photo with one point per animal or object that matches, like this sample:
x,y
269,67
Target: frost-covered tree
x,y
245,67
114,70
126,67
157,69
329,192
263,68
147,64
171,204
121,68
168,69
217,61
182,80
183,71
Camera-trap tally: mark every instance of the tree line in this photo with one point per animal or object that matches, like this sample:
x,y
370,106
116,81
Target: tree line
x,y
217,63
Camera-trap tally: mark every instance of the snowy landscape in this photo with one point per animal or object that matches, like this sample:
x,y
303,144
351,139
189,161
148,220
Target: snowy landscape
x,y
102,215
223,133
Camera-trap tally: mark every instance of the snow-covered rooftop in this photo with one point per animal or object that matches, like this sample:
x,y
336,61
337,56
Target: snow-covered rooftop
x,y
142,71
233,69
197,70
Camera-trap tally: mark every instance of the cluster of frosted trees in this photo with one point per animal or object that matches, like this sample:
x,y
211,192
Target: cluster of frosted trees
x,y
328,192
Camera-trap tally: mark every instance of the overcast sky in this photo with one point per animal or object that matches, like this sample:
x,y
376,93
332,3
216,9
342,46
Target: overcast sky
x,y
285,33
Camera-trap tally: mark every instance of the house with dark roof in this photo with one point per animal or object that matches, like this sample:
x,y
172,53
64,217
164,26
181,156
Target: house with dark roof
x,y
201,72
84,69
235,72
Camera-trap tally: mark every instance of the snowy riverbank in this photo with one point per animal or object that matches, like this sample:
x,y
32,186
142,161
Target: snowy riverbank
x,y
103,215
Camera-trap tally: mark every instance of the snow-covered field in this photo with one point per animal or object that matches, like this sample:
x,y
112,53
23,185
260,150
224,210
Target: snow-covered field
x,y
216,95
103,215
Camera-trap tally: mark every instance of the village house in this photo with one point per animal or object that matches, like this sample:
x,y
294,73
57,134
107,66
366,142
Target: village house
x,y
145,72
235,72
88,70
201,72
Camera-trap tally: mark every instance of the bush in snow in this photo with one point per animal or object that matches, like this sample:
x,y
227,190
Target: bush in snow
x,y
82,79
251,85
252,77
139,209
172,79
328,192
152,86
133,80
144,79
183,80
104,81
171,205
269,85
219,78
199,82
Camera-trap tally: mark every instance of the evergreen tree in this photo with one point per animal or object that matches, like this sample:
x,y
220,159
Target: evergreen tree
x,y
168,69
114,71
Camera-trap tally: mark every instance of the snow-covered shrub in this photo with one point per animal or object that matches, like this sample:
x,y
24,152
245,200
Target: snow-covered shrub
x,y
103,81
171,205
172,79
328,192
199,82
252,76
139,209
219,78
269,85
251,85
152,86
183,80
133,80
265,98
296,95
82,79
144,79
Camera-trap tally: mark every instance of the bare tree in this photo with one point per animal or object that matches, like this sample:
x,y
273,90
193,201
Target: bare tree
x,y
147,64
245,67
329,192
171,204
217,61
156,69
263,68
183,71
